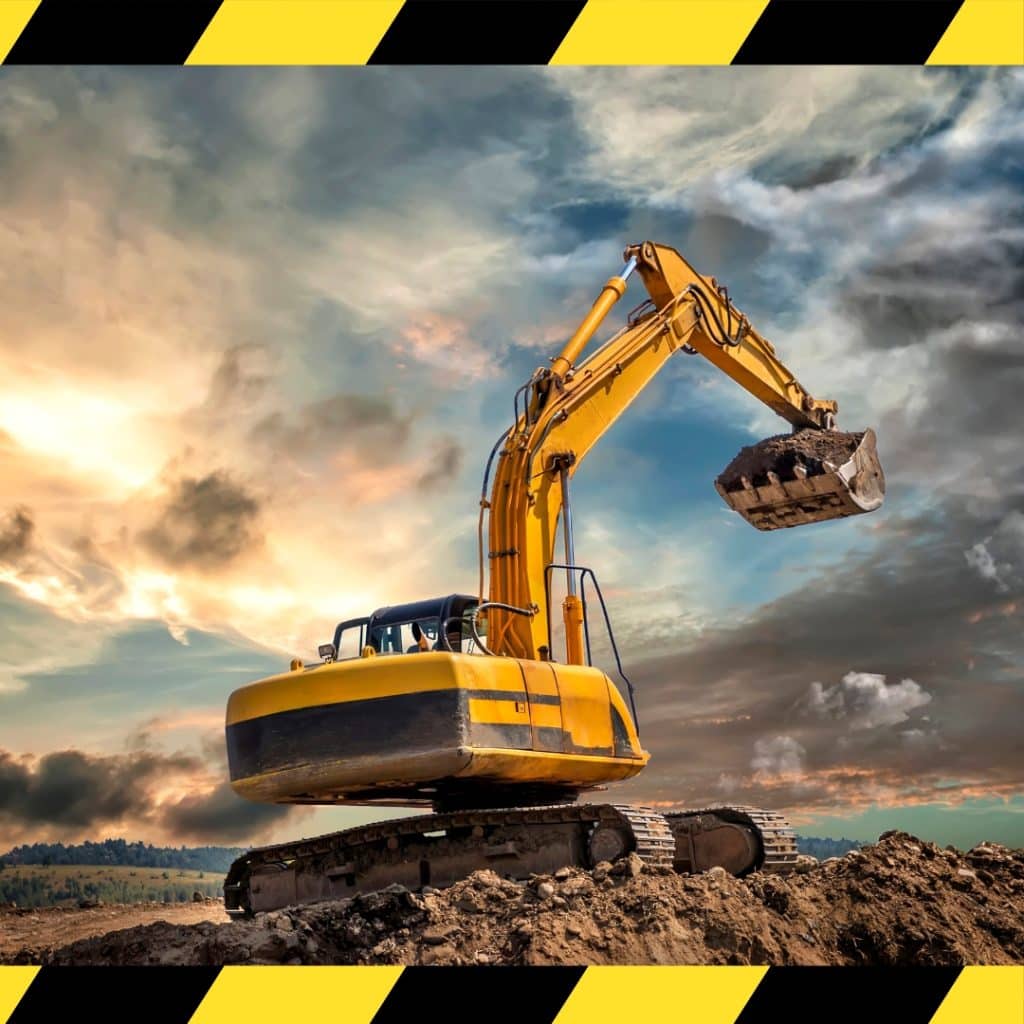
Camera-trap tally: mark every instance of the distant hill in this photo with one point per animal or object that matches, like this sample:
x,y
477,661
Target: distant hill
x,y
119,852
822,848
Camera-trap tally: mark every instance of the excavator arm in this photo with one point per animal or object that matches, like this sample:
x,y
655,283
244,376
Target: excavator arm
x,y
569,406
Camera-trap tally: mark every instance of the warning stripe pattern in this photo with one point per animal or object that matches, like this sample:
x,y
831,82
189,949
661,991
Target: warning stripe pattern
x,y
537,995
522,32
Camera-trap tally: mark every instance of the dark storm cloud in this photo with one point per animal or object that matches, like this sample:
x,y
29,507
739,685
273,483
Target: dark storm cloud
x,y
206,523
442,467
16,534
913,610
234,380
342,420
78,793
72,789
221,817
939,281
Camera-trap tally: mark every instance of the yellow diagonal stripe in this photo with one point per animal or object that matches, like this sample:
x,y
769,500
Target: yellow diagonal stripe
x,y
983,32
711,995
659,32
270,995
14,15
13,980
993,995
294,32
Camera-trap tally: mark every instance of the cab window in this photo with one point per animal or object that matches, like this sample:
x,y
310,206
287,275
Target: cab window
x,y
401,638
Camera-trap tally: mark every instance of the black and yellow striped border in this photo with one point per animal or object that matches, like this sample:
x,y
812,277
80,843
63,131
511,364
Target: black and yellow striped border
x,y
534,995
477,32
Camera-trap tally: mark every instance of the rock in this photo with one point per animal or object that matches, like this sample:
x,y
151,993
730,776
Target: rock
x,y
717,873
573,929
805,863
440,934
284,923
198,897
437,954
429,890
966,873
601,871
629,866
486,880
545,891
577,886
562,874
395,889
558,901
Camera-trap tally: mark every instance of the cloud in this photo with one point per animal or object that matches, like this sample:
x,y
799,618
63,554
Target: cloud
x,y
1006,543
865,701
342,421
777,756
71,793
75,790
16,535
221,816
206,523
980,558
442,466
654,132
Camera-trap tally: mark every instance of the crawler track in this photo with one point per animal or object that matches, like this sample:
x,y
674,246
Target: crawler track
x,y
439,849
741,839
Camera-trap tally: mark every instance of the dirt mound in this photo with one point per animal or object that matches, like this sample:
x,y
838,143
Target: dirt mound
x,y
899,901
781,453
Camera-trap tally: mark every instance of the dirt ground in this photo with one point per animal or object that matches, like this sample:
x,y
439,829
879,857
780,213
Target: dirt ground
x,y
899,901
36,931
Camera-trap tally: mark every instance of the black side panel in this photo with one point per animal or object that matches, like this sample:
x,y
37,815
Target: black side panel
x,y
408,722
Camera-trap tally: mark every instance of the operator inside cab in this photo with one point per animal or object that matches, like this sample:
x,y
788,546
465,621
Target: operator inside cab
x,y
421,641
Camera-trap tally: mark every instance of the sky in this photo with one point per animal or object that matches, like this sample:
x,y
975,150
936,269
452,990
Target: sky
x,y
263,326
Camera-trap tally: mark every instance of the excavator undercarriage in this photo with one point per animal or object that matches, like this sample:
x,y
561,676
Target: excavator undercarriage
x,y
439,849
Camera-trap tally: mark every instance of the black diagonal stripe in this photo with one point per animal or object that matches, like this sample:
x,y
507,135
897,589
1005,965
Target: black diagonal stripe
x,y
847,31
477,31
156,995
801,995
113,32
533,995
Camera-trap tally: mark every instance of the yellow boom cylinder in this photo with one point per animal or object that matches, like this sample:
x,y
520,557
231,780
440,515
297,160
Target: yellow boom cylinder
x,y
613,290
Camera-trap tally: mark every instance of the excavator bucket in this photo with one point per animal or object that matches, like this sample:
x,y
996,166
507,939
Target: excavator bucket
x,y
806,477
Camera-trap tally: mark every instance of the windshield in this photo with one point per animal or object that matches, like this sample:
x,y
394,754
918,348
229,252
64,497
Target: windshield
x,y
402,638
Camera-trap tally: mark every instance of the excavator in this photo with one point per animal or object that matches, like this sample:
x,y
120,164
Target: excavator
x,y
484,711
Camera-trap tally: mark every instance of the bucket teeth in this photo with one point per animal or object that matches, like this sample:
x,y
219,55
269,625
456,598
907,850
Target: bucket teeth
x,y
793,484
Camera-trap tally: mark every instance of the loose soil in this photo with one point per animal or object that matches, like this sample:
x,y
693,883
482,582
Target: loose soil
x,y
808,448
899,901
34,933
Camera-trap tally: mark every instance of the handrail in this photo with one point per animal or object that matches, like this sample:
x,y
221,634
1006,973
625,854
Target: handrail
x,y
585,571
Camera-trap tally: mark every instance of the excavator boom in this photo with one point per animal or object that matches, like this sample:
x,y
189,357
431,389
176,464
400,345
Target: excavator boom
x,y
812,475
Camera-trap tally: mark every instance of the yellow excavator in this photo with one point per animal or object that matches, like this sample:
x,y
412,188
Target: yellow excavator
x,y
484,710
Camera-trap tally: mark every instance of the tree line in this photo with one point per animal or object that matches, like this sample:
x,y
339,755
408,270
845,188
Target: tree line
x,y
120,852
823,848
